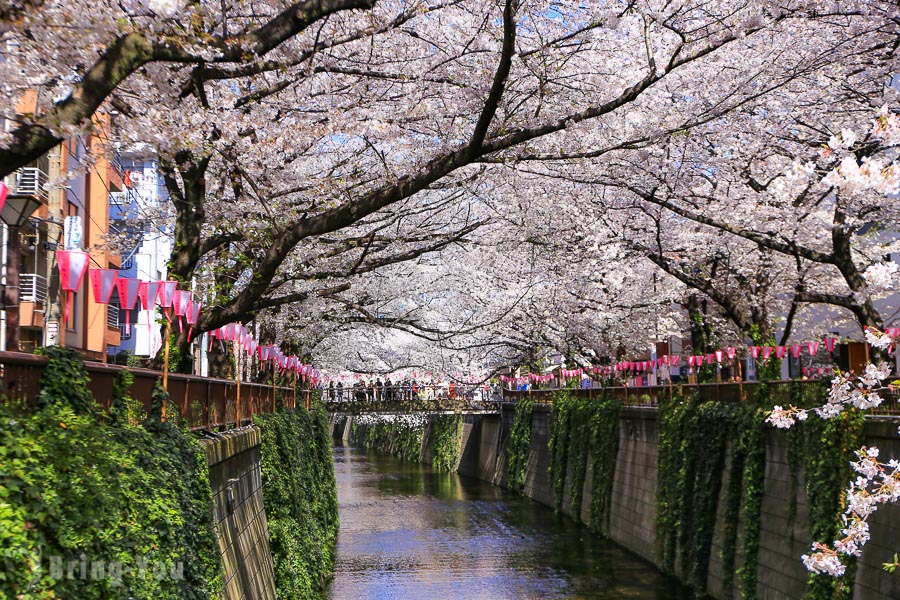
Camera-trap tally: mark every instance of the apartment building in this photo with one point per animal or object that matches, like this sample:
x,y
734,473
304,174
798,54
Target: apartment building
x,y
71,186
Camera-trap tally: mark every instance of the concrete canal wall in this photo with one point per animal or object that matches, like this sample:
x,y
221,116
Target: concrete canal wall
x,y
239,516
633,509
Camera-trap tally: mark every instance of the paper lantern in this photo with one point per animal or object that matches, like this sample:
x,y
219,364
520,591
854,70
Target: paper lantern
x,y
166,297
128,295
149,293
103,282
72,266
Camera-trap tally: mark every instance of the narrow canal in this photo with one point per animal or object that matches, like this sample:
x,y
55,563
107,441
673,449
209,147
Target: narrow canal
x,y
409,532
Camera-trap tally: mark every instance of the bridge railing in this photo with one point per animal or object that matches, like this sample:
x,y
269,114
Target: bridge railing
x,y
204,402
778,392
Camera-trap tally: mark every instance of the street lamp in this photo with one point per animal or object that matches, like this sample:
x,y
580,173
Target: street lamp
x,y
14,212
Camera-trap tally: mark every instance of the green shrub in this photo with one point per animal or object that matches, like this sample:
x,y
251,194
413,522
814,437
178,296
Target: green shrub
x,y
75,490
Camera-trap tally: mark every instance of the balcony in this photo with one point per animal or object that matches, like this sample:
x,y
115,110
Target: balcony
x,y
30,181
112,316
32,288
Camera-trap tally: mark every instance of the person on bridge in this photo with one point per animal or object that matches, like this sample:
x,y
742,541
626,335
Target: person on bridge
x,y
331,397
414,388
452,390
340,391
388,389
379,390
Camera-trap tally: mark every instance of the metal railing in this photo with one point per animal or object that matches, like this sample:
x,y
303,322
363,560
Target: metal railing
x,y
203,402
112,315
777,392
32,288
32,181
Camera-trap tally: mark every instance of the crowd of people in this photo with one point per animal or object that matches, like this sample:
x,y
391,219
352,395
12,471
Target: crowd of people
x,y
403,390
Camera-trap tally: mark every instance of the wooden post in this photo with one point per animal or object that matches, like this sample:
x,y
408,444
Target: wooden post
x,y
274,371
165,377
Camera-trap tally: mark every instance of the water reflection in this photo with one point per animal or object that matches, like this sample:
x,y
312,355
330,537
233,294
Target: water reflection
x,y
407,532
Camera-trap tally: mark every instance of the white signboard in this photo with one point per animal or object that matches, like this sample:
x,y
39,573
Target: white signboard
x,y
72,233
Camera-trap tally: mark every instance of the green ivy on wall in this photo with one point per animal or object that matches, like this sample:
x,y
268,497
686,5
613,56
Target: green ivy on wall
x,y
125,505
559,446
824,449
604,448
583,428
695,439
446,442
399,437
300,496
519,444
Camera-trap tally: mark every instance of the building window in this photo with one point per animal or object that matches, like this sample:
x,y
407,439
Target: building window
x,y
73,304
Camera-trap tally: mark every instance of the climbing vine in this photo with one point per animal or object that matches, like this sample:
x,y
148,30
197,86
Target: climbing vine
x,y
750,434
559,446
300,496
399,436
604,448
446,440
519,444
693,441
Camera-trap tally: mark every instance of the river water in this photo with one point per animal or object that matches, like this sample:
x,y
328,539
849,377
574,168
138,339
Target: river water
x,y
409,532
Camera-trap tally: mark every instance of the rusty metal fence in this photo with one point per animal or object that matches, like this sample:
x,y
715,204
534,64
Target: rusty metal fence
x,y
204,402
778,392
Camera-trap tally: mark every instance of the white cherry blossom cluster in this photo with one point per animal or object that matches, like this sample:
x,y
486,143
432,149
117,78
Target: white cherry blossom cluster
x,y
846,390
877,483
871,173
878,339
881,275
